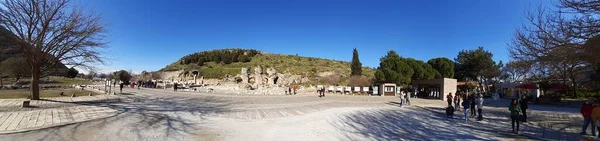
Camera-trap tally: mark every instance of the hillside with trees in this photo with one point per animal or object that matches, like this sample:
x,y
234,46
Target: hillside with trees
x,y
219,63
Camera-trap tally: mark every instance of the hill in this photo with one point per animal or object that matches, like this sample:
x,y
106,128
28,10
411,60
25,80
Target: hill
x,y
8,51
311,67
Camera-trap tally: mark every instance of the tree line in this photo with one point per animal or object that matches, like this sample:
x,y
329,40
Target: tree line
x,y
226,56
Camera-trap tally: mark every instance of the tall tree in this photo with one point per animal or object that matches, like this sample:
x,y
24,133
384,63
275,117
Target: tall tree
x,y
51,32
15,67
356,66
422,70
444,66
473,65
123,76
516,71
393,68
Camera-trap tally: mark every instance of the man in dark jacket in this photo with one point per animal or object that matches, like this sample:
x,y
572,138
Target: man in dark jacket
x,y
466,104
175,87
121,87
586,112
524,106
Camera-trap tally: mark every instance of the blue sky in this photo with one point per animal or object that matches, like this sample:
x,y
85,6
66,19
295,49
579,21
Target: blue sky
x,y
150,34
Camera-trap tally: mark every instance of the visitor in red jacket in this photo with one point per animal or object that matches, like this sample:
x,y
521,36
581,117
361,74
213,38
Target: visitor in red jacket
x,y
586,112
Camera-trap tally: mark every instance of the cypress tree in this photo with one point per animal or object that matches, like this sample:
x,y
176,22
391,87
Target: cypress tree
x,y
356,66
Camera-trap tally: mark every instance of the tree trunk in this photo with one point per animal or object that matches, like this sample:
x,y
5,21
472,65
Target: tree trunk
x,y
574,85
1,82
35,86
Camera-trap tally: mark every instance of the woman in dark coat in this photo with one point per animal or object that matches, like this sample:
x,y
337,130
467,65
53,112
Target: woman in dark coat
x,y
515,110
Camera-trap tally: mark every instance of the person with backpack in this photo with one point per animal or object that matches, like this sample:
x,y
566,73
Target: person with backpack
x,y
586,112
466,104
515,110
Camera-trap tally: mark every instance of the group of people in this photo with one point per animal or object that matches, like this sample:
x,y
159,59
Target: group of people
x,y
290,90
590,110
469,103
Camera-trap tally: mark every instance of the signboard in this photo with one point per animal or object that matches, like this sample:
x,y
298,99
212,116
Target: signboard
x,y
365,89
375,90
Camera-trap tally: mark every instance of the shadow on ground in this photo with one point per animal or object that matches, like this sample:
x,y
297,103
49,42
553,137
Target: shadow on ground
x,y
413,123
140,118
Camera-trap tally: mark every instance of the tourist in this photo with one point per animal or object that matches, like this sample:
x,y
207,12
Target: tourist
x,y
473,103
449,98
515,109
294,90
596,116
121,87
407,98
450,111
323,92
175,87
479,107
586,112
466,103
457,102
402,98
524,106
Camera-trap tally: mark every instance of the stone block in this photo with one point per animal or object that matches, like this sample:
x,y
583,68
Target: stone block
x,y
26,104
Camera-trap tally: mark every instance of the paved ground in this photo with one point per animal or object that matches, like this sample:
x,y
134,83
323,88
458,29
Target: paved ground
x,y
156,114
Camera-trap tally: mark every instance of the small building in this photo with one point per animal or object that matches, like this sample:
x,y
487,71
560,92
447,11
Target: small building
x,y
386,89
436,88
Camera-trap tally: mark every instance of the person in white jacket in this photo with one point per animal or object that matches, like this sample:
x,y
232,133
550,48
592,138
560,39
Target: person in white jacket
x,y
479,101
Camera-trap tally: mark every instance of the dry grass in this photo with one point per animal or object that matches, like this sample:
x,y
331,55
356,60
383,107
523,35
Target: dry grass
x,y
10,94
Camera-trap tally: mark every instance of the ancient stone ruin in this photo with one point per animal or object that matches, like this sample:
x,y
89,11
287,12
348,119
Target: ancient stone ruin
x,y
270,78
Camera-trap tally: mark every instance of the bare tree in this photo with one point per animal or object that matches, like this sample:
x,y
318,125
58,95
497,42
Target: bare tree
x,y
50,32
551,41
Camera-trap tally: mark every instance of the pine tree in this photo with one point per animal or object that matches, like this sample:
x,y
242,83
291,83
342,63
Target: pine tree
x,y
356,65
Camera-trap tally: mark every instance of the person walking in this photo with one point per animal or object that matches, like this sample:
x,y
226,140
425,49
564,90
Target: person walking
x,y
402,98
175,87
121,87
449,98
466,104
480,107
515,110
586,112
473,103
524,106
457,102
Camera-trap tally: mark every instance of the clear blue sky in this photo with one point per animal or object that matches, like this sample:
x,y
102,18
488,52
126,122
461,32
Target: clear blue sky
x,y
150,34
